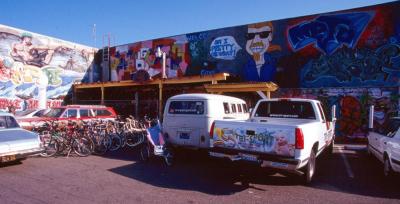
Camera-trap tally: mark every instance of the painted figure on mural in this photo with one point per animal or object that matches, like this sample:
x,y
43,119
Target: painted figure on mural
x,y
261,66
26,52
350,116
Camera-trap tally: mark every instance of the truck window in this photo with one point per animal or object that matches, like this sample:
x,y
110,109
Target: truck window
x,y
239,107
233,108
285,109
321,112
186,107
226,108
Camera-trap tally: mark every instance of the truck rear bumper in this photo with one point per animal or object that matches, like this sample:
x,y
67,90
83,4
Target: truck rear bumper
x,y
264,160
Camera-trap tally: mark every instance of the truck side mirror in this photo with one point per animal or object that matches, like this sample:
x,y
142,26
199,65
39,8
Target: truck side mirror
x,y
371,118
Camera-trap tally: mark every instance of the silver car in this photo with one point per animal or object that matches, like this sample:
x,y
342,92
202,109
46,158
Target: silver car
x,y
15,142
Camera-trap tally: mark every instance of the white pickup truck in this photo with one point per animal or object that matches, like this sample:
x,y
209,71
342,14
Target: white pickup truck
x,y
286,134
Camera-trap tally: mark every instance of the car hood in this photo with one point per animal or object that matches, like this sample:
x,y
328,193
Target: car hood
x,y
17,139
16,134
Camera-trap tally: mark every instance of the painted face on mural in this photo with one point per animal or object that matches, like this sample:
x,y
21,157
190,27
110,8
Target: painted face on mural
x,y
27,40
258,38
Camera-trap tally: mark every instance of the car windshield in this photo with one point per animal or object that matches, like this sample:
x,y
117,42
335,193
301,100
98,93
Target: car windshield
x,y
54,112
25,112
391,127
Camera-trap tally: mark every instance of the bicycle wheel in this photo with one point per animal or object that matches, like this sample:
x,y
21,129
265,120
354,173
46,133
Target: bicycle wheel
x,y
83,146
115,142
134,139
100,146
50,147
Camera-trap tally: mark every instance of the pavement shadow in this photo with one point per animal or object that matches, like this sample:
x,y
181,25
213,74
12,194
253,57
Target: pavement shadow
x,y
197,172
367,175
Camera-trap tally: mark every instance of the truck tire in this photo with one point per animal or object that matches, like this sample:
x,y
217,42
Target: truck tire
x,y
309,170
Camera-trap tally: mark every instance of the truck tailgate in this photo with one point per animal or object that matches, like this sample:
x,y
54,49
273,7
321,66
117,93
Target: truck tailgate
x,y
272,139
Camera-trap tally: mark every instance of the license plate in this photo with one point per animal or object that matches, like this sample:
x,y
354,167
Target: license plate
x,y
248,157
279,164
8,158
184,135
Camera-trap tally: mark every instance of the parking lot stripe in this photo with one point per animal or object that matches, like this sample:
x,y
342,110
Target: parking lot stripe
x,y
346,164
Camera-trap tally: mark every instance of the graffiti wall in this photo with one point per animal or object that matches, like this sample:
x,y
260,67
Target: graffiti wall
x,y
337,56
352,48
38,71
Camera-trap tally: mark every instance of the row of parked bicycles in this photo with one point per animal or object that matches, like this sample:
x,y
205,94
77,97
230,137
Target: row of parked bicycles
x,y
91,137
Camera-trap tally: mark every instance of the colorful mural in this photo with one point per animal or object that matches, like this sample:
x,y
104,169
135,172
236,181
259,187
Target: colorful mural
x,y
352,48
38,71
356,49
352,106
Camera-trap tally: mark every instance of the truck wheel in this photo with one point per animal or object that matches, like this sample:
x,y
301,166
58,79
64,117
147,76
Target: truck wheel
x,y
310,168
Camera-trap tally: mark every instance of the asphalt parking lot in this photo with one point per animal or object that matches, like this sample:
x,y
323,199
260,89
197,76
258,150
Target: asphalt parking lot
x,y
347,176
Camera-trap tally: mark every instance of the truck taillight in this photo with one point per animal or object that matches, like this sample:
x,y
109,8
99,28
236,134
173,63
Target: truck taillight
x,y
328,125
299,139
212,130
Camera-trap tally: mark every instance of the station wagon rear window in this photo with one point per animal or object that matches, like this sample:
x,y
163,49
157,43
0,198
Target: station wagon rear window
x,y
186,107
102,112
285,109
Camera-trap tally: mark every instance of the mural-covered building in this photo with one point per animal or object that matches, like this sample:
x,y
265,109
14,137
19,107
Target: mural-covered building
x,y
349,58
38,71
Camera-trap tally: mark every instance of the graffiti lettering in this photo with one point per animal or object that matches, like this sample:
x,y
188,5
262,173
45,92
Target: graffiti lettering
x,y
207,72
5,103
329,32
347,65
196,37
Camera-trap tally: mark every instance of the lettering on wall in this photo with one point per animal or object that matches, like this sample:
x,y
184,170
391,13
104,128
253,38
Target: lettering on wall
x,y
329,32
224,47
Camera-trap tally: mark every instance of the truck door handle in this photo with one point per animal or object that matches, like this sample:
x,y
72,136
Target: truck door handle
x,y
376,138
385,143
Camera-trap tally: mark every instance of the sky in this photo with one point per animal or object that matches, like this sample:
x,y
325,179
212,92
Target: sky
x,y
137,20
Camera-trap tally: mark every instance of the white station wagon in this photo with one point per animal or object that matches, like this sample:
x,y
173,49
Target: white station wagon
x,y
384,144
15,142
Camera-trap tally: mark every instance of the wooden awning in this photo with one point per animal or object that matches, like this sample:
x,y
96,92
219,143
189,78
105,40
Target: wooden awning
x,y
181,80
241,87
159,83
